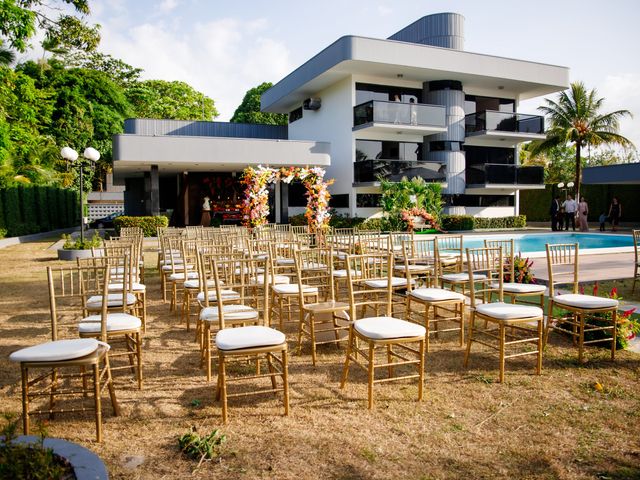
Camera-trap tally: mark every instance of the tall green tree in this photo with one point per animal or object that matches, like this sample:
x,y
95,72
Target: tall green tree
x,y
249,110
119,71
170,100
20,19
576,118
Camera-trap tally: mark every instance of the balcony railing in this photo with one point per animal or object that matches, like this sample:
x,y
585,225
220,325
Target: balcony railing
x,y
368,171
398,113
500,174
504,122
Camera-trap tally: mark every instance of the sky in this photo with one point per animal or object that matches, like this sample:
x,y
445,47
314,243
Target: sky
x,y
224,47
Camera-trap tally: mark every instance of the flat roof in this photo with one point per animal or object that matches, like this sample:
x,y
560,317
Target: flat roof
x,y
621,174
354,55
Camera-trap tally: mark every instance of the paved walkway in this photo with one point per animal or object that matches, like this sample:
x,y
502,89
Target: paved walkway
x,y
609,266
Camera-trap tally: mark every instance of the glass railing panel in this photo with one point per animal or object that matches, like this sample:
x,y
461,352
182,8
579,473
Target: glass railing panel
x,y
530,175
399,113
367,171
504,122
500,174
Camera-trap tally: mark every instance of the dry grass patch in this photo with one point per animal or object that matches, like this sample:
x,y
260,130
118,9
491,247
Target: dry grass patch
x,y
557,426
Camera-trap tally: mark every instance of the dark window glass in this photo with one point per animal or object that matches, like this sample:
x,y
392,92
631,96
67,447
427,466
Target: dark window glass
x,y
445,145
368,200
481,155
373,150
366,92
339,201
481,200
476,103
296,195
295,115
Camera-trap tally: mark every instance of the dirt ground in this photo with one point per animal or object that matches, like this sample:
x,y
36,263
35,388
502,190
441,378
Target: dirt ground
x,y
557,425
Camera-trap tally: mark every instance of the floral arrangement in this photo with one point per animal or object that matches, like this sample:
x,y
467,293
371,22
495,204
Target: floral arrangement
x,y
255,207
409,215
628,327
522,272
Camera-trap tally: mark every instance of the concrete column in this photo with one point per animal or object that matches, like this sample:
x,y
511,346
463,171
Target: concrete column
x,y
155,190
283,197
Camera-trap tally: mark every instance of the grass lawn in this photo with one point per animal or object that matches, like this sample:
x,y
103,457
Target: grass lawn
x,y
558,425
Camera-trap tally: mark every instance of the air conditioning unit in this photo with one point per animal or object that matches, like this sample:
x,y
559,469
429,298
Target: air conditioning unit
x,y
312,104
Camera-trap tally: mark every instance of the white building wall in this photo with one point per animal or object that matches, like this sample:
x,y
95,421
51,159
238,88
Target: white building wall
x,y
490,211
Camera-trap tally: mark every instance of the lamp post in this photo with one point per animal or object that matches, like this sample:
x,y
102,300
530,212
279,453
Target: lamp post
x,y
90,154
566,188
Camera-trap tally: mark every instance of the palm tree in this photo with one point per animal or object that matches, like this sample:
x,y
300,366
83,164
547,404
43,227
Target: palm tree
x,y
575,118
6,56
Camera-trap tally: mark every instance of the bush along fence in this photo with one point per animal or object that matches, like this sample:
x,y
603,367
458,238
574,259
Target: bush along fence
x,y
27,209
149,225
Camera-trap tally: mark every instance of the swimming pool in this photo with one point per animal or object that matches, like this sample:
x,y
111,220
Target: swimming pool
x,y
534,243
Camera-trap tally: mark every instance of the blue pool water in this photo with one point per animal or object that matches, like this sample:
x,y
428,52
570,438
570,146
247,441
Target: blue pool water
x,y
535,242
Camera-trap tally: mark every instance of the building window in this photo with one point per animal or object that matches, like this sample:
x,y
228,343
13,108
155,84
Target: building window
x,y
445,145
295,115
366,92
481,200
482,155
339,201
476,103
376,150
368,200
296,194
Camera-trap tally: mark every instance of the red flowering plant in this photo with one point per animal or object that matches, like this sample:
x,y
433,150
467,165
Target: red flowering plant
x,y
628,326
522,272
408,217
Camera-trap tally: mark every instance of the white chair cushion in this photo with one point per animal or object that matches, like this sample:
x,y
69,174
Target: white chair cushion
x,y
292,288
380,328
313,266
177,266
585,301
56,351
245,270
176,261
176,277
341,273
285,261
382,283
248,337
213,297
120,270
435,294
113,300
231,312
277,279
135,287
508,311
196,283
115,322
512,287
462,277
414,268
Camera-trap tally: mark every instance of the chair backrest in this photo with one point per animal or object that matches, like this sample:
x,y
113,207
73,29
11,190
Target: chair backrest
x,y
297,229
636,243
314,267
239,275
508,255
485,266
451,247
396,240
361,271
421,252
69,288
562,262
371,242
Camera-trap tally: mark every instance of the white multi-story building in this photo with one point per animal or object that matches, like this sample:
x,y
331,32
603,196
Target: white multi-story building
x,y
415,104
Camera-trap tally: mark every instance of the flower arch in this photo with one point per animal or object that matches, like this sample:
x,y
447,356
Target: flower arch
x,y
255,206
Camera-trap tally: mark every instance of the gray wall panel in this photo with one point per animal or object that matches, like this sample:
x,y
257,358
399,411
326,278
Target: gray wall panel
x,y
149,126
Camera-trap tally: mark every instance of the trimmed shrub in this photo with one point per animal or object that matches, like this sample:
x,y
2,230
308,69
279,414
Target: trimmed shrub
x,y
52,208
28,207
149,225
381,224
11,207
457,222
42,208
2,222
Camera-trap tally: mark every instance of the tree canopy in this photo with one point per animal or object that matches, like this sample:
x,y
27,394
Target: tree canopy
x,y
249,110
173,100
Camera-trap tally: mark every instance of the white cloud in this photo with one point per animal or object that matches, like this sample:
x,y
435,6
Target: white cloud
x,y
621,93
168,5
222,58
384,11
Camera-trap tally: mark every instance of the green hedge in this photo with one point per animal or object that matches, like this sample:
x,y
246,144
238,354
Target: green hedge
x,y
27,209
468,222
149,225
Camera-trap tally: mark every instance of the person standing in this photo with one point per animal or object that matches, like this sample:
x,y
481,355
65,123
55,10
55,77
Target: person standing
x,y
583,213
615,212
414,111
570,208
205,220
554,212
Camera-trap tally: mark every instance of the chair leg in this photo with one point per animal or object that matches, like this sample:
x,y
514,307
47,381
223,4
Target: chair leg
x,y
345,370
271,372
460,311
371,373
25,400
427,323
421,371
548,325
139,355
52,395
223,385
614,340
502,339
312,328
580,319
470,339
111,387
96,399
207,350
389,361
285,379
539,356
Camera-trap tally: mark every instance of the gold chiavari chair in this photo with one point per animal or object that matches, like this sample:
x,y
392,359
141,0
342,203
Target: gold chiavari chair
x,y
451,255
179,268
428,302
513,290
247,341
326,317
577,310
168,254
508,325
384,331
86,358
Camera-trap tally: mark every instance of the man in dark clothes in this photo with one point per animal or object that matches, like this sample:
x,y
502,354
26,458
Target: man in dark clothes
x,y
554,211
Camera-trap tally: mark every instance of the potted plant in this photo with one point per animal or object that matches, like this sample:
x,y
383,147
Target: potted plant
x,y
72,249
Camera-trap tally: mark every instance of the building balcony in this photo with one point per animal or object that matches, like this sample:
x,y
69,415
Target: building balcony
x,y
367,172
380,120
502,129
502,178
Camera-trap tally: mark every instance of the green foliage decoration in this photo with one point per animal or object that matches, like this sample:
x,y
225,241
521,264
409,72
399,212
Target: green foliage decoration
x,y
78,244
467,222
399,197
199,447
149,225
